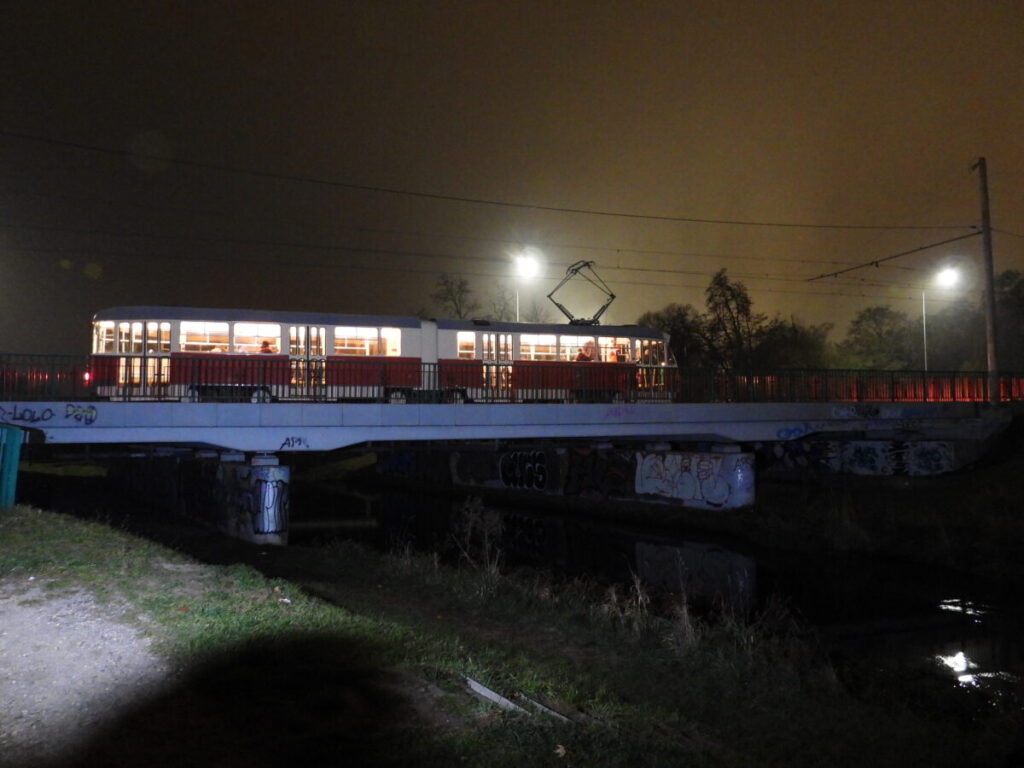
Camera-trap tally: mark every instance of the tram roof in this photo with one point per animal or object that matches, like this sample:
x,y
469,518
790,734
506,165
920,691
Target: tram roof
x,y
253,315
221,314
636,331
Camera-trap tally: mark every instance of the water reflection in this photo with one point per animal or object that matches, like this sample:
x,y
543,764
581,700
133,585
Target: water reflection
x,y
966,607
863,610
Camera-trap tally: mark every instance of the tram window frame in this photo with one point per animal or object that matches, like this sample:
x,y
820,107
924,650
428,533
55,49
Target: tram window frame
x,y
465,345
248,337
104,337
129,336
614,349
356,341
300,343
203,336
569,346
391,341
158,337
538,346
650,352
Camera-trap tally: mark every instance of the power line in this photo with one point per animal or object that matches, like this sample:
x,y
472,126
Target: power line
x,y
223,168
376,251
876,262
471,238
1007,232
422,271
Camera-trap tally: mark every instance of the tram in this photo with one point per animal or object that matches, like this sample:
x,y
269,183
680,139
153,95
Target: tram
x,y
194,354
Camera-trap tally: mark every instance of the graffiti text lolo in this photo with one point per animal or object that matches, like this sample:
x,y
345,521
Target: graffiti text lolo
x,y
25,415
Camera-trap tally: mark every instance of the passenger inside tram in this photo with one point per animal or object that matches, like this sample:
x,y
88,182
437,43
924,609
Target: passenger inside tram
x,y
586,353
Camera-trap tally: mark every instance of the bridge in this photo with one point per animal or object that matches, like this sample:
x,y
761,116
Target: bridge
x,y
685,438
56,400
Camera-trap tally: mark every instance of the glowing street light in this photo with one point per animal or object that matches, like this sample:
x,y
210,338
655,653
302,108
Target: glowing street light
x,y
527,267
947,278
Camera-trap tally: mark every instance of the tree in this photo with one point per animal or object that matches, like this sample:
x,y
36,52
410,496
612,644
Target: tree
x,y
731,326
880,338
731,335
454,297
1010,320
503,305
685,328
791,344
535,312
956,339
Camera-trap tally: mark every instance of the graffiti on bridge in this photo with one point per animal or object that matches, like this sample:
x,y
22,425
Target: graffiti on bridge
x,y
859,457
524,469
84,414
254,500
706,480
25,415
599,474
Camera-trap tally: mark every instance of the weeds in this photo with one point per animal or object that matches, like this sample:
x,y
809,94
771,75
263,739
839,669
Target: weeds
x,y
646,686
629,609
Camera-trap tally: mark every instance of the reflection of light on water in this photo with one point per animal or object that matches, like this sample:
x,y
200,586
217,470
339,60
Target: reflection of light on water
x,y
960,664
966,607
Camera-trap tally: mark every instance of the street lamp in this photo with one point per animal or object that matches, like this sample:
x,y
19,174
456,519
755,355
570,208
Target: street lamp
x,y
527,266
947,278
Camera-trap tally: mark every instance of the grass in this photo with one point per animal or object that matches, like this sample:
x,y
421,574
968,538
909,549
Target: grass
x,y
342,653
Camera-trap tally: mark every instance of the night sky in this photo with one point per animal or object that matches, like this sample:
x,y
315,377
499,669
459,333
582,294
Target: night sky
x,y
254,154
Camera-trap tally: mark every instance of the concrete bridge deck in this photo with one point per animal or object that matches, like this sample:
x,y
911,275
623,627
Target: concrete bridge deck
x,y
286,427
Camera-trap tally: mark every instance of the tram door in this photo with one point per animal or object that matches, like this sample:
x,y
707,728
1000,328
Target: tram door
x,y
496,349
144,363
307,350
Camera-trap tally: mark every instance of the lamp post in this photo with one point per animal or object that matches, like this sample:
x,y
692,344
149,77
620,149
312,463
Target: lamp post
x,y
527,267
947,278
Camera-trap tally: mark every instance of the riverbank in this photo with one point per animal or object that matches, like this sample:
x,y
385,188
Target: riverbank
x,y
265,657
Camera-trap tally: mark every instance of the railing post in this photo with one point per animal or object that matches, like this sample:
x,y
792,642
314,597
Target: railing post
x,y
10,453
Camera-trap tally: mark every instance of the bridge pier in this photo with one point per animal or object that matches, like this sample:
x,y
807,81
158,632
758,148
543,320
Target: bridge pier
x,y
252,498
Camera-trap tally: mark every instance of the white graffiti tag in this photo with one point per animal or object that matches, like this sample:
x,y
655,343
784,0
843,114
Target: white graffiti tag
x,y
708,480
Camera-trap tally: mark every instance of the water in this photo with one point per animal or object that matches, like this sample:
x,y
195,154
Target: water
x,y
863,611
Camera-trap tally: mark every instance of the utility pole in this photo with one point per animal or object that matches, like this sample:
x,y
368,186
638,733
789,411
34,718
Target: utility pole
x,y
990,284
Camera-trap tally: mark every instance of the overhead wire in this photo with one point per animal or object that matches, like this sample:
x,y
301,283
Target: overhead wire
x,y
876,262
277,176
383,251
420,271
618,249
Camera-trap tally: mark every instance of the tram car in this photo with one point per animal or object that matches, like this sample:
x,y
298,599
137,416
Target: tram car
x,y
193,354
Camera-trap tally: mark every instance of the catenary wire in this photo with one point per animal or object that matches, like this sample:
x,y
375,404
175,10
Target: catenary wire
x,y
223,168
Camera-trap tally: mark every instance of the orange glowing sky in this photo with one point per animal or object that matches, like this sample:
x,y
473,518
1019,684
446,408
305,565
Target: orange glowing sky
x,y
866,113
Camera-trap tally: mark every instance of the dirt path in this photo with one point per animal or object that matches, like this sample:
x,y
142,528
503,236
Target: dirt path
x,y
68,666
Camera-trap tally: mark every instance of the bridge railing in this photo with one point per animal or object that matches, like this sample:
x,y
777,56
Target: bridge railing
x,y
277,378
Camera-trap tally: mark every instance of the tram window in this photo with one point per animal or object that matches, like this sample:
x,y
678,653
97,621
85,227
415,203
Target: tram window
x,y
466,341
103,337
158,338
356,341
249,337
652,352
129,338
569,346
613,349
297,342
391,341
538,346
203,337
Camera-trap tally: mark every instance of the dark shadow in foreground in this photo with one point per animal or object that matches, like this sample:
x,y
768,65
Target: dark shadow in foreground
x,y
304,701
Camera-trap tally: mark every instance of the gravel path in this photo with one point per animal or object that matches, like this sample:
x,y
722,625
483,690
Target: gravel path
x,y
68,666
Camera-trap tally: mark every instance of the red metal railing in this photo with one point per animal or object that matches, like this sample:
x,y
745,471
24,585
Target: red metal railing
x,y
268,378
